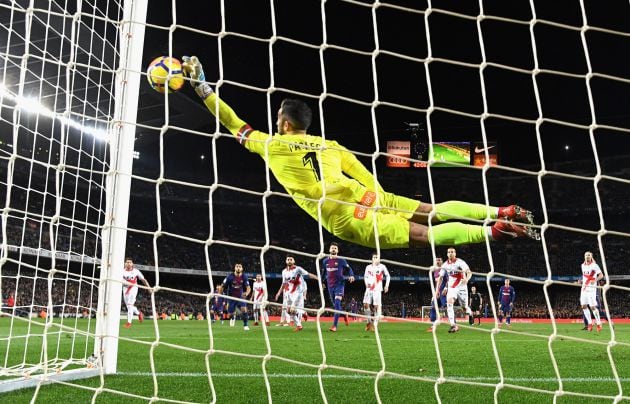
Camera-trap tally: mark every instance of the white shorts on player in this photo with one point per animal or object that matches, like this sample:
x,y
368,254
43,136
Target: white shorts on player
x,y
372,297
458,294
129,295
295,303
588,298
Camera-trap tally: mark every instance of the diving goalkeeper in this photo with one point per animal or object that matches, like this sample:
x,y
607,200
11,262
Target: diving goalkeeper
x,y
310,168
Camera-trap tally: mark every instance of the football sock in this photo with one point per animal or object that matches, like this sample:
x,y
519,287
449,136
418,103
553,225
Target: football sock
x,y
457,209
598,321
245,318
500,319
336,316
507,319
587,314
368,312
451,313
432,314
255,316
456,233
129,313
584,320
471,320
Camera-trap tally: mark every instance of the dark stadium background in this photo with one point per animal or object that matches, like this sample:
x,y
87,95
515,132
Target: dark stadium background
x,y
570,202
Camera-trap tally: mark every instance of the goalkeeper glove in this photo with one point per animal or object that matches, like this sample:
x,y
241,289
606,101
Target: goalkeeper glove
x,y
194,70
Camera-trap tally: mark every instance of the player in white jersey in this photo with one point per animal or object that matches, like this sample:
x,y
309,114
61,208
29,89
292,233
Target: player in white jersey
x,y
296,290
591,274
373,279
260,290
130,290
285,318
458,274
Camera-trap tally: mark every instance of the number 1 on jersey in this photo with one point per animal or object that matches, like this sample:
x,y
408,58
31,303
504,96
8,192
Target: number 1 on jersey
x,y
310,160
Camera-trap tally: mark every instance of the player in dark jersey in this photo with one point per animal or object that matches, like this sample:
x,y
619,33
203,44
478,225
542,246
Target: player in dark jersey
x,y
335,280
506,302
232,286
475,306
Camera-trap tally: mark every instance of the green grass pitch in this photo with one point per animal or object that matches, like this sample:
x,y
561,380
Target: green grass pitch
x,y
236,364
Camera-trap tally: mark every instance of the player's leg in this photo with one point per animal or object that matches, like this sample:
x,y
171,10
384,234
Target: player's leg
x,y
255,311
231,312
450,300
304,312
508,316
244,314
266,317
129,301
450,210
500,315
376,302
367,299
587,313
593,306
299,312
479,316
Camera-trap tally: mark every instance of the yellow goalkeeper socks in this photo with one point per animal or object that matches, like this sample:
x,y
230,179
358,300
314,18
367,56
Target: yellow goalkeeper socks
x,y
457,209
457,233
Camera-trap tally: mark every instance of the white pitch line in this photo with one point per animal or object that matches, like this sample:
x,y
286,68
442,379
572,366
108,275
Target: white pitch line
x,y
325,376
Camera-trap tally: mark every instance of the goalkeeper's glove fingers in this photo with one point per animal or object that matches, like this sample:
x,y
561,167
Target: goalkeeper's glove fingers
x,y
193,69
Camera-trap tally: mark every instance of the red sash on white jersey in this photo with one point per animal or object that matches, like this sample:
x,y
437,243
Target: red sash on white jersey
x,y
133,282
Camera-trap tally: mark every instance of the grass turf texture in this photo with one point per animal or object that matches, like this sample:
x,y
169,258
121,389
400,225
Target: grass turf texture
x,y
467,357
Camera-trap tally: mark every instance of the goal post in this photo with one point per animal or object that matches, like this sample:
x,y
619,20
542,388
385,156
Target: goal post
x,y
65,184
122,131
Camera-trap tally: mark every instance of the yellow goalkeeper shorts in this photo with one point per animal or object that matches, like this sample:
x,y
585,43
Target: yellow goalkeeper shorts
x,y
355,223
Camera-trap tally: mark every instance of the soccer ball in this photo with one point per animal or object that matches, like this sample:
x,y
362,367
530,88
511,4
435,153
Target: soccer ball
x,y
158,74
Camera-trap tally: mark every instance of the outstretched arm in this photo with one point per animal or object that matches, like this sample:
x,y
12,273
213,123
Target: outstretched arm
x,y
228,118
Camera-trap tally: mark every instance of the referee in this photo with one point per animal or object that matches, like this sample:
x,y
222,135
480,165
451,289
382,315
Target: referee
x,y
475,302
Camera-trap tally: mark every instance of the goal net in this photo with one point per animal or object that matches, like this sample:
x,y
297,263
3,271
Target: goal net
x,y
484,102
68,94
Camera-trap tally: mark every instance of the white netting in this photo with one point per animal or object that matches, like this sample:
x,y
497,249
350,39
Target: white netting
x,y
531,77
56,90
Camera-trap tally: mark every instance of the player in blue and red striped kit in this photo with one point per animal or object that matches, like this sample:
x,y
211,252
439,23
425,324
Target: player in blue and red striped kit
x,y
506,302
233,286
439,296
335,280
218,305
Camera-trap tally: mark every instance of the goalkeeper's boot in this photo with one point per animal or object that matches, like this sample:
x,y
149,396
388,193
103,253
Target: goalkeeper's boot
x,y
508,230
516,213
140,316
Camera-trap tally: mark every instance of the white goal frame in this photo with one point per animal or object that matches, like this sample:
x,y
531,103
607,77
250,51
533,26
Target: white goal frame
x,y
121,135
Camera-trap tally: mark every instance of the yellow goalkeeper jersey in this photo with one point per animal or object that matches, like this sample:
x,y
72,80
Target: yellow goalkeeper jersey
x,y
298,160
